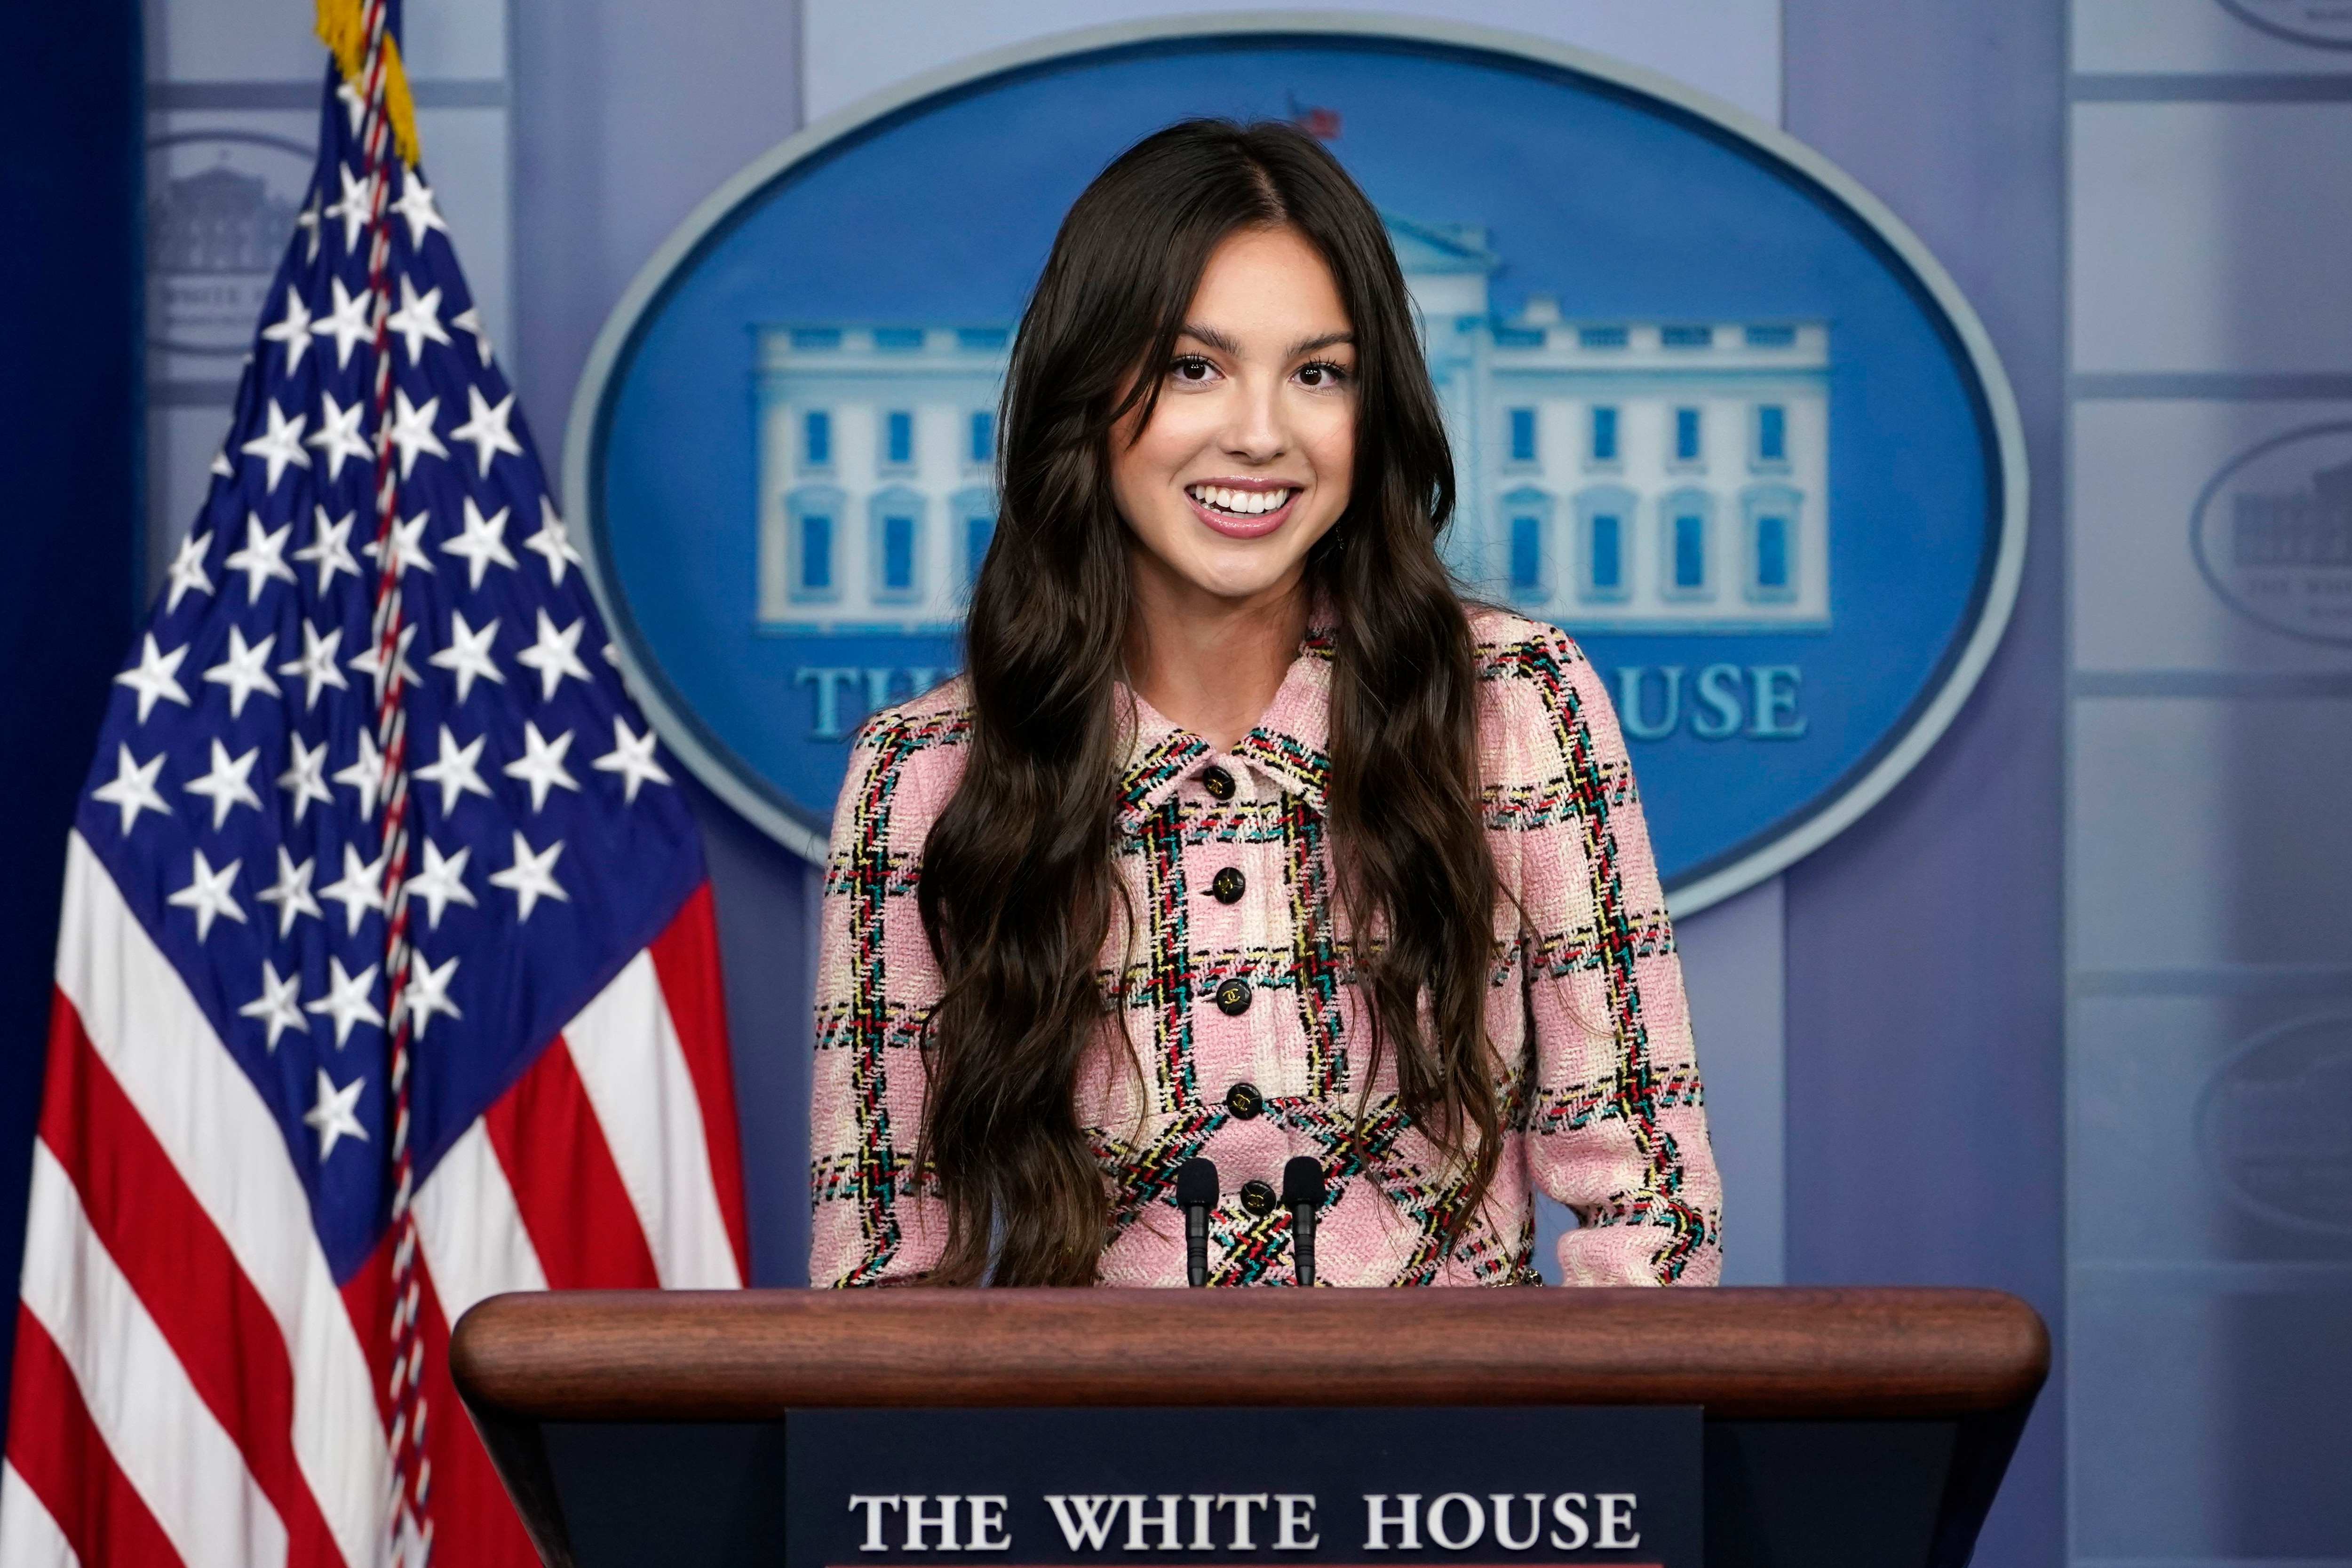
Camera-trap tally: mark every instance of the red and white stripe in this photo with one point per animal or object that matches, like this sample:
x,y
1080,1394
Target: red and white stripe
x,y
191,1386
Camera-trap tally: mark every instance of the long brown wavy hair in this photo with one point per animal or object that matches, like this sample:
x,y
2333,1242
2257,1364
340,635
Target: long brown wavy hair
x,y
1018,888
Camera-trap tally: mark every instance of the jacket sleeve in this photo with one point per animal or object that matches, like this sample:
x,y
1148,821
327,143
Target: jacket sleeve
x,y
1616,1118
873,1219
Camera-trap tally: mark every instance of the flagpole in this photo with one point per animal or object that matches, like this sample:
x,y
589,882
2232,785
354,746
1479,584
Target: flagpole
x,y
412,1472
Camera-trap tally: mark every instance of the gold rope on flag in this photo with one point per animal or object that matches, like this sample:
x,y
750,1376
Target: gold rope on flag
x,y
342,29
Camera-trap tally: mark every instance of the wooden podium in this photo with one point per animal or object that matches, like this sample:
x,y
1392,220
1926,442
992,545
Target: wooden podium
x,y
1842,1426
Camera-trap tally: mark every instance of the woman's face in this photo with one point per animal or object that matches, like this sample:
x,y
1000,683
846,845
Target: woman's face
x,y
1250,452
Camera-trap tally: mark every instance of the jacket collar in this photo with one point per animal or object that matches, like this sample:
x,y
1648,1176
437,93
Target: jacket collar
x,y
1287,747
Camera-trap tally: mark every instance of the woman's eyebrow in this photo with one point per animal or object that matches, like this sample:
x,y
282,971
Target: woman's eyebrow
x,y
1199,333
1211,336
1327,340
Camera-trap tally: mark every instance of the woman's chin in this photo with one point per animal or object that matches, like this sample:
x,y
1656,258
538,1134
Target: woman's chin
x,y
1215,575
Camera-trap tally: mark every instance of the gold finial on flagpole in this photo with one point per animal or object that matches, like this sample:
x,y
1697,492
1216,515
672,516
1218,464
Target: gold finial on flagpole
x,y
343,27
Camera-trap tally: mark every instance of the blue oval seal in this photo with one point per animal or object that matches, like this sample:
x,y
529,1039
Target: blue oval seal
x,y
1715,410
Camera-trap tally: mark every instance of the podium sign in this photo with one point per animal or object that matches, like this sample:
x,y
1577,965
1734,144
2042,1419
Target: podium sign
x,y
1262,1486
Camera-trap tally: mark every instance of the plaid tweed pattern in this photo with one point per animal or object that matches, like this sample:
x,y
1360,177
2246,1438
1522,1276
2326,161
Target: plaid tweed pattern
x,y
1593,1061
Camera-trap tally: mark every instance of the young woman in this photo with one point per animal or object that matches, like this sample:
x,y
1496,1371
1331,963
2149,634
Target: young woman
x,y
1242,837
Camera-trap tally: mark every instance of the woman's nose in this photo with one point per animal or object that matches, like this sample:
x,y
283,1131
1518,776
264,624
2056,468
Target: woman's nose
x,y
1256,432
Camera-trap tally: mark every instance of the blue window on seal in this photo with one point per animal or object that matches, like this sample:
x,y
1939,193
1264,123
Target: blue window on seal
x,y
898,436
1607,548
898,553
1686,435
816,552
816,438
1772,552
1527,554
1771,433
1690,551
978,530
1604,435
1523,435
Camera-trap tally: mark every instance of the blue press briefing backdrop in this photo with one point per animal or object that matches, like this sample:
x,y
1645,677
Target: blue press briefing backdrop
x,y
1709,414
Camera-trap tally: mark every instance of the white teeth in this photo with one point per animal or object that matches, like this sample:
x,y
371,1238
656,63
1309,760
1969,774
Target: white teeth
x,y
1241,503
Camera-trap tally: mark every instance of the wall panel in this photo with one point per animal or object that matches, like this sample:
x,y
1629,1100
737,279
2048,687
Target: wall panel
x,y
2210,1043
2210,833
1924,978
2205,239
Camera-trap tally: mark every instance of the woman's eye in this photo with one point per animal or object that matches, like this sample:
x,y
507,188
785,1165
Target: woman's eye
x,y
1320,375
1192,369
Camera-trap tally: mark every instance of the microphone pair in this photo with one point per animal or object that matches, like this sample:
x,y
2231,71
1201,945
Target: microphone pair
x,y
1302,1194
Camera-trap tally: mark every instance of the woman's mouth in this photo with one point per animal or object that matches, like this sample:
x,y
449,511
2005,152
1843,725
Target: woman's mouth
x,y
1242,514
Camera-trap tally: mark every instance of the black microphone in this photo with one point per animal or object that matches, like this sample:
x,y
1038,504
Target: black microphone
x,y
1196,1194
1302,1194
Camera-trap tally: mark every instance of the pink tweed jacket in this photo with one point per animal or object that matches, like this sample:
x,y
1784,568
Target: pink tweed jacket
x,y
1245,1024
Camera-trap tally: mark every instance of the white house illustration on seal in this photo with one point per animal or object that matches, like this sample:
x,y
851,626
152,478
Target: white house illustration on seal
x,y
1635,475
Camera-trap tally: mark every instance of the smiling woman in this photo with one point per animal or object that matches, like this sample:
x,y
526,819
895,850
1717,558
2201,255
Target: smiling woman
x,y
1243,840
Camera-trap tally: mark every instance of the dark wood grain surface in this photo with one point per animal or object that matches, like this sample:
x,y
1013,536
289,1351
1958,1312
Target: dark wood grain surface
x,y
1797,1354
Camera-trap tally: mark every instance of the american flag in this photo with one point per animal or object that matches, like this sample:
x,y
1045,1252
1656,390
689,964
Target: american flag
x,y
387,978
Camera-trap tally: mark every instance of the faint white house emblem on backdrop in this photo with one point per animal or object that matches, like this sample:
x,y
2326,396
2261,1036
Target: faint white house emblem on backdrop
x,y
1621,475
2274,1124
2273,533
2326,23
221,208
